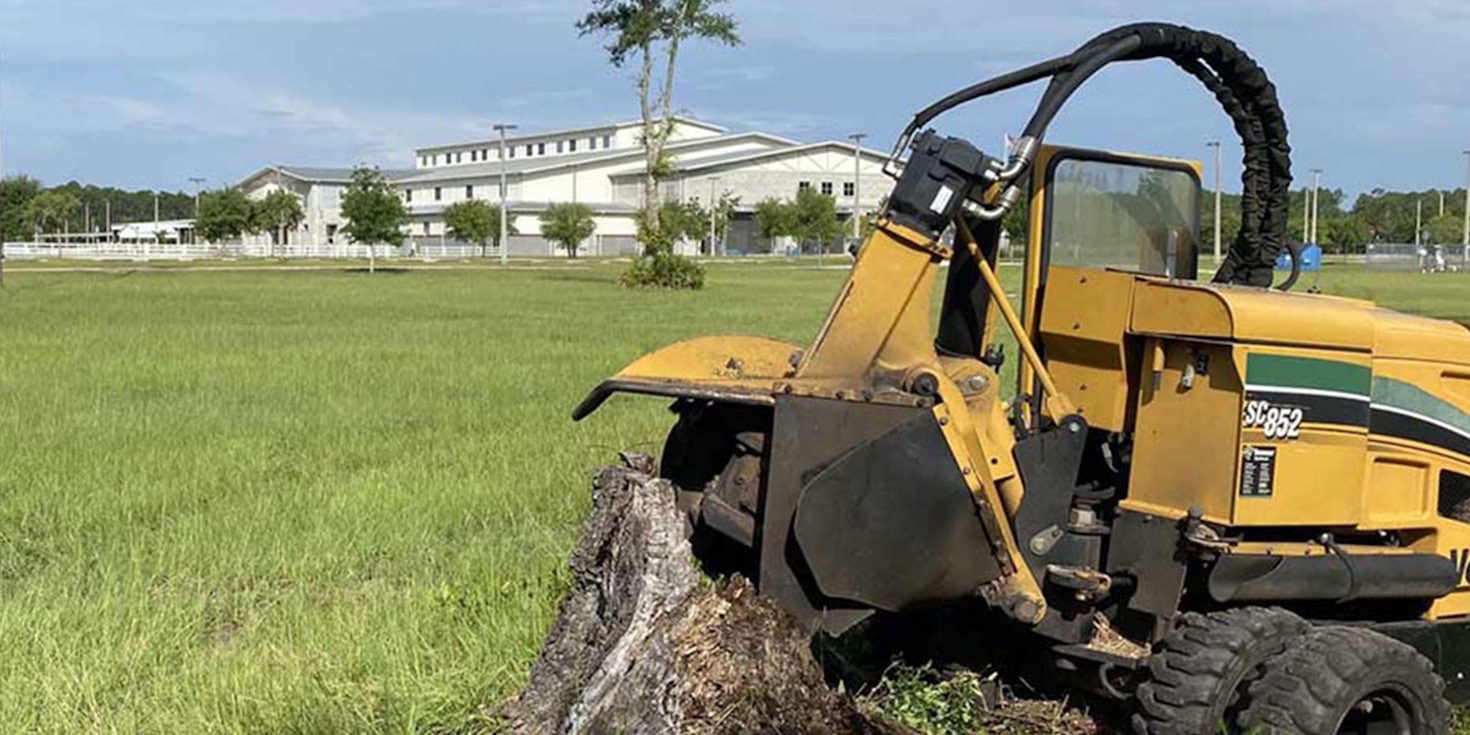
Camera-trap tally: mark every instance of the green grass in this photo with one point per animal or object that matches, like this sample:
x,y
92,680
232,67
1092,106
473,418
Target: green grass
x,y
324,502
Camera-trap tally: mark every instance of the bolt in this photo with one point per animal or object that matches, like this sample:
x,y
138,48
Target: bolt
x,y
977,383
1027,610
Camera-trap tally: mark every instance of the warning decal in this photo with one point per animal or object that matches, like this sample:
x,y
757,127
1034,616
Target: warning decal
x,y
1258,472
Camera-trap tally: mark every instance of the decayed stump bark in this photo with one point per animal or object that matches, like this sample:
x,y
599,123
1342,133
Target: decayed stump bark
x,y
640,645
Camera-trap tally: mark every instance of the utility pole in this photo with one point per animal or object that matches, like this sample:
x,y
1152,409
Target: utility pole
x,y
1316,178
857,185
503,128
198,183
1216,145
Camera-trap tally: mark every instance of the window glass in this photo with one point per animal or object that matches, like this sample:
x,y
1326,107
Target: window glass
x,y
607,141
827,188
438,193
469,192
1123,215
573,145
849,188
408,195
803,185
1454,496
540,149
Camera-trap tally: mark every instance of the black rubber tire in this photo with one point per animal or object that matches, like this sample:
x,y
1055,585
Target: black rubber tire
x,y
1198,676
1316,688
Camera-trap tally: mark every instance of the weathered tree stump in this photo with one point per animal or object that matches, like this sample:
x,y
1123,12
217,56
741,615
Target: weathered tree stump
x,y
643,644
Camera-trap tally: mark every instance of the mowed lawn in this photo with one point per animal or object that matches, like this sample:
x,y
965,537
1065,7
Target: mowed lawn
x,y
327,502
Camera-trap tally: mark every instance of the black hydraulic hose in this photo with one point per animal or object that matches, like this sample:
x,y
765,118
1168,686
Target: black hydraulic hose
x,y
1020,77
1064,84
1240,86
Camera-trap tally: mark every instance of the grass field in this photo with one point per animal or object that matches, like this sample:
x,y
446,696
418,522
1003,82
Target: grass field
x,y
324,502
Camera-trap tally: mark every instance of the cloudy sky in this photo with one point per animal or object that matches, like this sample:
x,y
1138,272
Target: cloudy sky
x,y
148,93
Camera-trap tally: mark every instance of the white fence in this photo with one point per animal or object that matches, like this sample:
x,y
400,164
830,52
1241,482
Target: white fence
x,y
427,249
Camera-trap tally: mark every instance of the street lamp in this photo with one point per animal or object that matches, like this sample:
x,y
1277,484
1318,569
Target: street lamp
x,y
502,128
712,209
1316,198
1465,243
857,185
1216,145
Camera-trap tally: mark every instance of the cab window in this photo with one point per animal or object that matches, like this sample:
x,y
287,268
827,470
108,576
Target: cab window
x,y
1123,214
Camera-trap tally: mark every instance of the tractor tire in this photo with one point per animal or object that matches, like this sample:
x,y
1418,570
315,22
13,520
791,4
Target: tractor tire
x,y
1348,680
1198,676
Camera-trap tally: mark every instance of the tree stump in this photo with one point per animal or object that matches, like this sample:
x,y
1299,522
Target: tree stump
x,y
643,644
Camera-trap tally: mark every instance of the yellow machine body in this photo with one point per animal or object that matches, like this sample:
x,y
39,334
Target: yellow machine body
x,y
1269,418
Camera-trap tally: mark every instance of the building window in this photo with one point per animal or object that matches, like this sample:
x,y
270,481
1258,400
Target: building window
x,y
528,150
540,149
438,193
827,188
408,195
558,146
592,143
512,151
426,229
803,185
469,192
849,189
573,144
607,141
485,154
459,157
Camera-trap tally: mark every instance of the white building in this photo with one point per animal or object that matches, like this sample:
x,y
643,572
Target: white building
x,y
601,167
320,190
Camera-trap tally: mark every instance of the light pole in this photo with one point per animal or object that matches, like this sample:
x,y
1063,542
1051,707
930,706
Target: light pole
x,y
857,185
1316,198
712,249
503,128
198,182
1216,145
1306,213
1465,242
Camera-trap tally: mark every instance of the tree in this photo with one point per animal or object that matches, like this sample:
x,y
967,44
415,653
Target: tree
x,y
721,212
224,215
475,221
774,218
51,210
568,225
1445,230
645,31
278,212
814,219
374,212
16,193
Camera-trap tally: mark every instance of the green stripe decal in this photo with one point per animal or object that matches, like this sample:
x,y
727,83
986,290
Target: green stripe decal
x,y
1408,397
1283,371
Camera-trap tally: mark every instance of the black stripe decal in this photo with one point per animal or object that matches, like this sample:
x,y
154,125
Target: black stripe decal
x,y
1390,423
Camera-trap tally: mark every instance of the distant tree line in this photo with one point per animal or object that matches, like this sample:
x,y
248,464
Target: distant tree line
x,y
1376,216
74,207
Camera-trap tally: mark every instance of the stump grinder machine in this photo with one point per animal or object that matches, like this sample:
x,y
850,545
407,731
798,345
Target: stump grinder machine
x,y
1265,493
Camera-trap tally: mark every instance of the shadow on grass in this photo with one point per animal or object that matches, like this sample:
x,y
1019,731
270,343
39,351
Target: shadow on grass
x,y
379,269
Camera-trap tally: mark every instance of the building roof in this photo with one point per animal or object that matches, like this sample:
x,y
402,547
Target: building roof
x,y
519,166
704,164
323,174
681,120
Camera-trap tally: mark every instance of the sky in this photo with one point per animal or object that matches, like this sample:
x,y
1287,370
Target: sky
x,y
150,93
